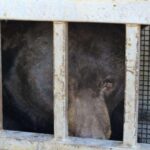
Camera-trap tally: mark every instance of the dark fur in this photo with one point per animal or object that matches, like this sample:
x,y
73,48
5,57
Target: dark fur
x,y
96,77
97,68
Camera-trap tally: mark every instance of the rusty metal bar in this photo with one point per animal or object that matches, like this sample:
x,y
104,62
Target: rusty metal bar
x,y
60,79
132,84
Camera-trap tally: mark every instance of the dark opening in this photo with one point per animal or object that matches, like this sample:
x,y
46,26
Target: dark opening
x,y
144,87
96,80
27,76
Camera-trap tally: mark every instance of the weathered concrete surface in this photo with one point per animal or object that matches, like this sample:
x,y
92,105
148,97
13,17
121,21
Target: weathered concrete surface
x,y
60,79
114,11
10,140
132,83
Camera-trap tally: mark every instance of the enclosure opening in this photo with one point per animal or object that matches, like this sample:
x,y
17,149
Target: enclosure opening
x,y
27,76
144,87
96,80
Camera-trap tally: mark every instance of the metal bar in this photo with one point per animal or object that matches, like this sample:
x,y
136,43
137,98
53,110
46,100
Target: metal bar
x,y
1,100
132,84
60,79
110,11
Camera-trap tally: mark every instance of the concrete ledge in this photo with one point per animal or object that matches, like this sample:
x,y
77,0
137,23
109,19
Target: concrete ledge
x,y
14,140
109,11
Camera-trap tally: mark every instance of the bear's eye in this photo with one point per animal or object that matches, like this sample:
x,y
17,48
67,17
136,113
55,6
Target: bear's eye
x,y
108,81
108,84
